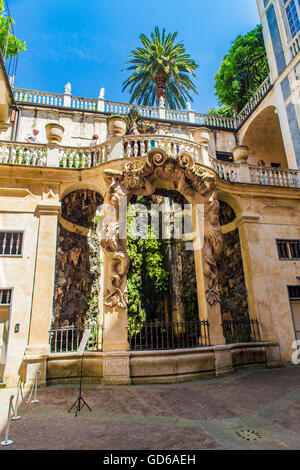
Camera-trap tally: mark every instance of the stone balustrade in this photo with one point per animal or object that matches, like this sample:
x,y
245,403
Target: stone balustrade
x,y
123,108
215,121
134,146
254,101
89,104
274,176
20,153
177,116
83,157
226,170
86,104
244,173
295,46
140,145
38,97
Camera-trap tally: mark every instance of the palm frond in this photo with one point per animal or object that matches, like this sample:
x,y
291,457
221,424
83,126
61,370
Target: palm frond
x,y
160,60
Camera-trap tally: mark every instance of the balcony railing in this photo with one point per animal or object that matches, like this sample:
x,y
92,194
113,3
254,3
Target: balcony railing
x,y
20,153
254,101
241,331
252,174
24,96
226,170
191,117
139,146
274,176
295,46
67,339
169,335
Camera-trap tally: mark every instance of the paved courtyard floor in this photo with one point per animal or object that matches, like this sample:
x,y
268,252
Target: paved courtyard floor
x,y
252,409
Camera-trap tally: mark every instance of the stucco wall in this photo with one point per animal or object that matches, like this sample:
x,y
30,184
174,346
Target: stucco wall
x,y
18,273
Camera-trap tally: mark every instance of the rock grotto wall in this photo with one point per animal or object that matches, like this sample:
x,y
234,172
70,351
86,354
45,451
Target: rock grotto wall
x,y
77,275
234,296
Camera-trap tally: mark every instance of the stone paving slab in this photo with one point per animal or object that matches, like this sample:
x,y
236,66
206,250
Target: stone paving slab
x,y
251,410
4,402
289,418
39,432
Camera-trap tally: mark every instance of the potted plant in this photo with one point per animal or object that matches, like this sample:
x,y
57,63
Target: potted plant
x,y
117,125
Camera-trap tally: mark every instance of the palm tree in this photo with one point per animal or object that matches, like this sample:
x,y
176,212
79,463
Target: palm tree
x,y
161,69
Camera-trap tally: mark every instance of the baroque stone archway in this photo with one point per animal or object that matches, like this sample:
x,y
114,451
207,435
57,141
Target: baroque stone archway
x,y
198,186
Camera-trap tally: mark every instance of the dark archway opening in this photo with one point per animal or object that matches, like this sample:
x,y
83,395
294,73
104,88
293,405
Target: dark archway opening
x,y
77,275
161,281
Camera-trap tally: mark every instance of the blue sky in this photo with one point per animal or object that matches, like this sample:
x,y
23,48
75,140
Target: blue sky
x,y
87,43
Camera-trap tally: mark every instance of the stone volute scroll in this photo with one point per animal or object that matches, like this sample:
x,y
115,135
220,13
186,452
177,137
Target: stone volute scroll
x,y
113,245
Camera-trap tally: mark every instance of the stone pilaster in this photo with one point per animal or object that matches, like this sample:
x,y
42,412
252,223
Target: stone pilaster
x,y
223,361
255,275
273,356
41,310
116,370
206,270
211,313
115,333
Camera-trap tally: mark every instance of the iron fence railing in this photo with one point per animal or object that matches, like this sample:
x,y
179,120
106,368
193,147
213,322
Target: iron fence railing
x,y
169,335
241,331
68,338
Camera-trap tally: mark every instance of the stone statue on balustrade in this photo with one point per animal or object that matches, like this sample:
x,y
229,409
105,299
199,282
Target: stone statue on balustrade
x,y
68,89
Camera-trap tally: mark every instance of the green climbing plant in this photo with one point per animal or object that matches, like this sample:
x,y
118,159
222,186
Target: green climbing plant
x,y
10,46
146,266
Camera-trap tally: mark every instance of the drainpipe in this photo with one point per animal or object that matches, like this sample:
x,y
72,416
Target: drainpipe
x,y
17,124
13,110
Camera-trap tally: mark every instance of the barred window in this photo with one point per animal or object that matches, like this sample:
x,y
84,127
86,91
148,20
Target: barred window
x,y
224,156
5,296
294,292
288,249
11,243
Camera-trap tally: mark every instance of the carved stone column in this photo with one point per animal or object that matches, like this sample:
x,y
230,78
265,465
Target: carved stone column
x,y
116,264
208,246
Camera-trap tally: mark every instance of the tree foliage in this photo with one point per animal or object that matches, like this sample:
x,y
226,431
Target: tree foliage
x,y
225,111
161,68
10,46
242,71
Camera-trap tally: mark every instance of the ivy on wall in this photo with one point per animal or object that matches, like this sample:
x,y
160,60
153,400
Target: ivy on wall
x,y
146,272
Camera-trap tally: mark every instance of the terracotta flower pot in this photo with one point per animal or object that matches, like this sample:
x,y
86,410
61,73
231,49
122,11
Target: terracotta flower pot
x,y
54,133
201,136
117,126
240,154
